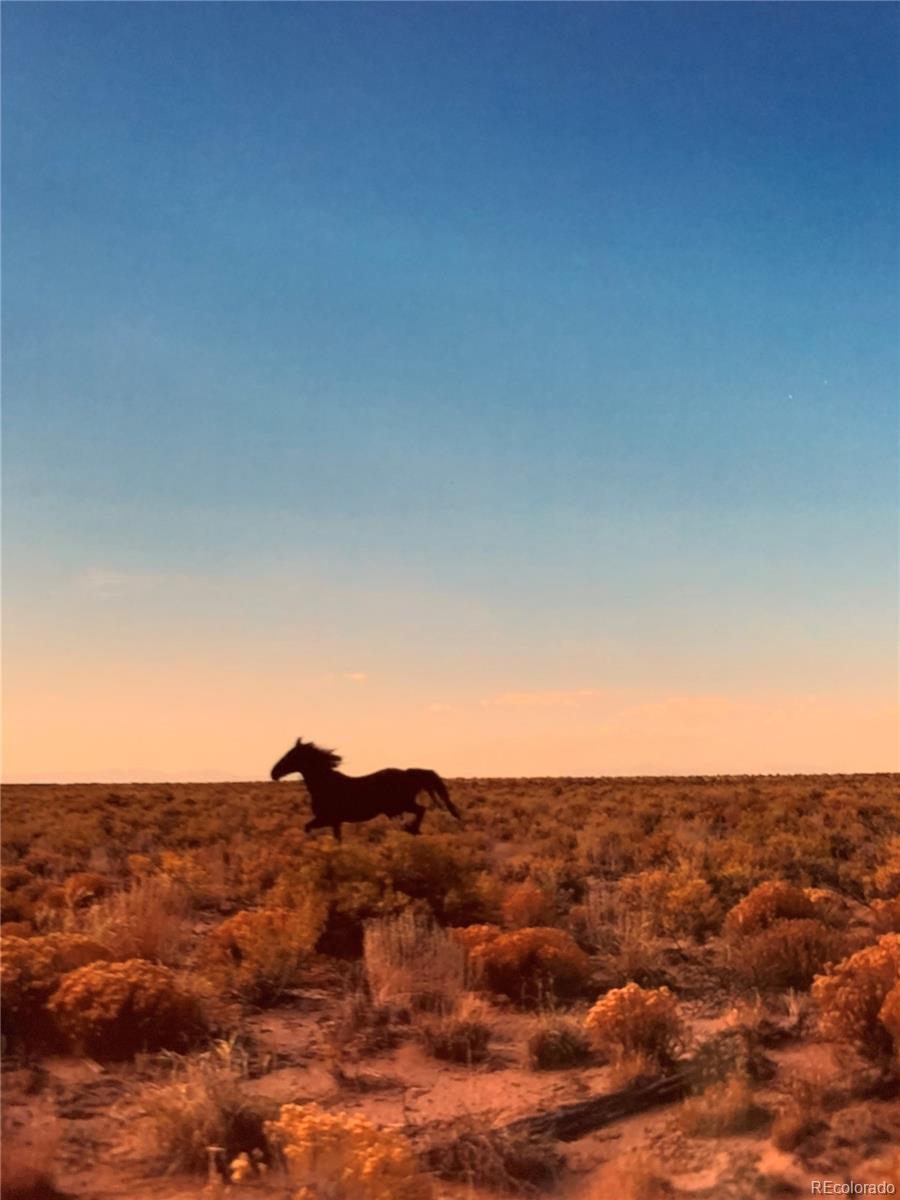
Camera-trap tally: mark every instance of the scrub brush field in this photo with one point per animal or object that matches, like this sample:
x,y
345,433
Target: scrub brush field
x,y
640,988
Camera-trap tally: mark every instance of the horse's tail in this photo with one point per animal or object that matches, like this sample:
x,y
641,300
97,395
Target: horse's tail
x,y
437,790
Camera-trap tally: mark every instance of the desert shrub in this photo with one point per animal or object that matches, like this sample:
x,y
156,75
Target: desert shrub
x,y
20,929
139,865
112,1010
145,920
787,954
16,906
850,998
558,1042
258,955
439,871
886,879
410,961
30,972
721,1109
30,899
525,904
338,1156
200,872
887,915
86,886
352,886
691,908
472,936
46,863
829,907
675,903
14,878
531,965
202,1103
482,1157
767,903
462,1035
633,1019
889,1015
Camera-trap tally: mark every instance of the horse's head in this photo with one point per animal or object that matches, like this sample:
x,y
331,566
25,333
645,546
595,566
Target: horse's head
x,y
302,756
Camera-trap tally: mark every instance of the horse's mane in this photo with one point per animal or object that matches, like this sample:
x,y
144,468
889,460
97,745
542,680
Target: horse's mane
x,y
328,758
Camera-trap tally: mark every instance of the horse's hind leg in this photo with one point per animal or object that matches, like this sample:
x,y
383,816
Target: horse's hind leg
x,y
336,829
419,810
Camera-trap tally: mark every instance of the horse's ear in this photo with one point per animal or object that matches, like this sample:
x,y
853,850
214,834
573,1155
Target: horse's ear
x,y
299,741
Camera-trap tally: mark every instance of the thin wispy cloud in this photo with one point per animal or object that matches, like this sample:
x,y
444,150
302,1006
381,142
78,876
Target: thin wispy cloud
x,y
542,699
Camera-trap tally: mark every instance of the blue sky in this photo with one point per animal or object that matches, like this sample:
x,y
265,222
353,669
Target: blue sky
x,y
479,350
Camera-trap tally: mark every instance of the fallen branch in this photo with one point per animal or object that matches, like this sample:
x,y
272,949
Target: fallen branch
x,y
727,1052
712,1061
573,1121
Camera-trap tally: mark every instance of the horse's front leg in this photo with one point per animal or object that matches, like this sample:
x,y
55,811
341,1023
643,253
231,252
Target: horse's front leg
x,y
336,830
313,823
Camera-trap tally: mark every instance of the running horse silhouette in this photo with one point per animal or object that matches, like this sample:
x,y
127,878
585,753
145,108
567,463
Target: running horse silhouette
x,y
337,797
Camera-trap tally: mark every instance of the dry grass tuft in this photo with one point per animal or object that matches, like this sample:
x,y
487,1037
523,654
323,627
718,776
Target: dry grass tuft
x,y
460,1036
722,1108
146,920
632,1066
625,934
203,1103
361,1028
479,1156
558,1042
413,963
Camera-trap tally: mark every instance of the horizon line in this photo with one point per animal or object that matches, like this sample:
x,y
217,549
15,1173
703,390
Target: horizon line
x,y
39,782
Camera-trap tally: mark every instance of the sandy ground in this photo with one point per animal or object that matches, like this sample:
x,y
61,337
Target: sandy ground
x,y
86,1116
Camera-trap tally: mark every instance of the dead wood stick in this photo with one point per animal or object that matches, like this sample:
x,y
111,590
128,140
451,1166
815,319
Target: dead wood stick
x,y
713,1059
572,1121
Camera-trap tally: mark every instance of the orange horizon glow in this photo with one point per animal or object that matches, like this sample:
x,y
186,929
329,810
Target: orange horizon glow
x,y
215,729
